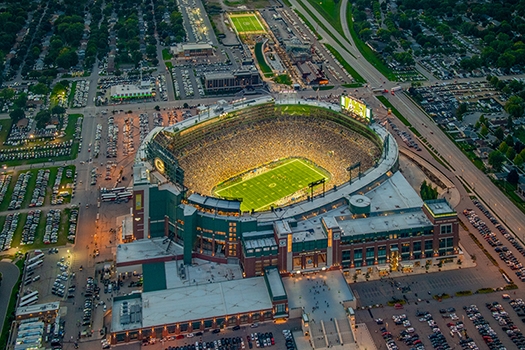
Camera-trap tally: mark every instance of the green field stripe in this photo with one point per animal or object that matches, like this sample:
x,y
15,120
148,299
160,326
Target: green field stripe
x,y
288,178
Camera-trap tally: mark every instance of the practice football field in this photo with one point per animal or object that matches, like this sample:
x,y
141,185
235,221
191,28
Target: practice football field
x,y
247,23
260,191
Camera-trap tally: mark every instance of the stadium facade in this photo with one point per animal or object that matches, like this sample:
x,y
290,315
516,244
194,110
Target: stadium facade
x,y
375,221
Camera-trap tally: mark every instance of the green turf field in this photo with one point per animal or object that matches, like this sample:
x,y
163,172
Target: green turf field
x,y
247,23
260,191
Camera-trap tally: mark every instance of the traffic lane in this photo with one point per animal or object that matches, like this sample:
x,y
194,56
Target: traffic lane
x,y
10,274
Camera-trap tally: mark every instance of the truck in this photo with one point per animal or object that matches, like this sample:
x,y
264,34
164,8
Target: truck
x,y
396,88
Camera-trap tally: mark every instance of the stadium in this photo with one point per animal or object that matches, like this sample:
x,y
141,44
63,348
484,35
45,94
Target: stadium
x,y
268,152
228,202
300,187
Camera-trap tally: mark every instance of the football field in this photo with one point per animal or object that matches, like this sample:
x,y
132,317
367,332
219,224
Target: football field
x,y
247,23
261,191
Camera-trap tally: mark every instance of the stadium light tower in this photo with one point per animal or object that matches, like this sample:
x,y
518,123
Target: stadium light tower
x,y
352,167
313,184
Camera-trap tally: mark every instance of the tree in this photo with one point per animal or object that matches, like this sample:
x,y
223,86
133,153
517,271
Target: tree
x,y
484,130
496,159
499,133
43,118
518,160
514,106
462,109
7,94
157,108
16,115
503,147
58,110
21,101
513,177
511,153
427,192
40,89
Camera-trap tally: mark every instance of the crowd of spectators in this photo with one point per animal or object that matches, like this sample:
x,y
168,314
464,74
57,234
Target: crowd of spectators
x,y
231,151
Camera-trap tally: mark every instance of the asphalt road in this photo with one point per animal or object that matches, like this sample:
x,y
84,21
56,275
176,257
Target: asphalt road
x,y
10,274
462,167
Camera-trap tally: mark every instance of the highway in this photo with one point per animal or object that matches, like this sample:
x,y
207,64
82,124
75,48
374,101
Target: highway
x,y
463,168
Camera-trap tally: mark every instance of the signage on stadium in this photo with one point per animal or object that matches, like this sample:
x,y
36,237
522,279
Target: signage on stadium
x,y
159,164
356,107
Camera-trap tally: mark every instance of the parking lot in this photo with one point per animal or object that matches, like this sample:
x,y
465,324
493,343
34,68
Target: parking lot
x,y
282,335
456,323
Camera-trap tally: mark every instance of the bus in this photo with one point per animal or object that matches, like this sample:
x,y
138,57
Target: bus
x,y
35,258
117,189
29,296
34,265
124,195
108,197
28,302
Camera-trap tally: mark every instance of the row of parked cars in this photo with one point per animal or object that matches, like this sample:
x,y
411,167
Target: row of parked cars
x,y
290,341
81,94
39,193
91,288
504,253
6,235
52,226
98,136
19,192
143,126
405,136
87,312
510,238
111,143
5,181
30,227
507,325
127,131
73,218
55,149
490,337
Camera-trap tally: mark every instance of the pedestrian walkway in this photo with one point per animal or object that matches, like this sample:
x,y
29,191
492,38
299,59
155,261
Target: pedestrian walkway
x,y
364,338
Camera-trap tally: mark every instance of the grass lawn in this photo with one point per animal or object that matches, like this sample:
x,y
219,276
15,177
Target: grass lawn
x,y
169,65
6,126
247,23
283,79
367,51
331,11
259,55
262,190
166,55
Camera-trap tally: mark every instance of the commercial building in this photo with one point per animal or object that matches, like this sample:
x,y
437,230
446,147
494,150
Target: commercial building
x,y
119,92
196,307
232,81
192,50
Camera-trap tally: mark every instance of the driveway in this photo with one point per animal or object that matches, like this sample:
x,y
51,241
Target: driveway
x,y
10,274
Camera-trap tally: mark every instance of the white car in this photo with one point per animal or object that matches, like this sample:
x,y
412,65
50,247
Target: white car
x,y
190,335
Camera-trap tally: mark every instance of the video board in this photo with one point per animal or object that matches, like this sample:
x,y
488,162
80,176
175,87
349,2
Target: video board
x,y
356,107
